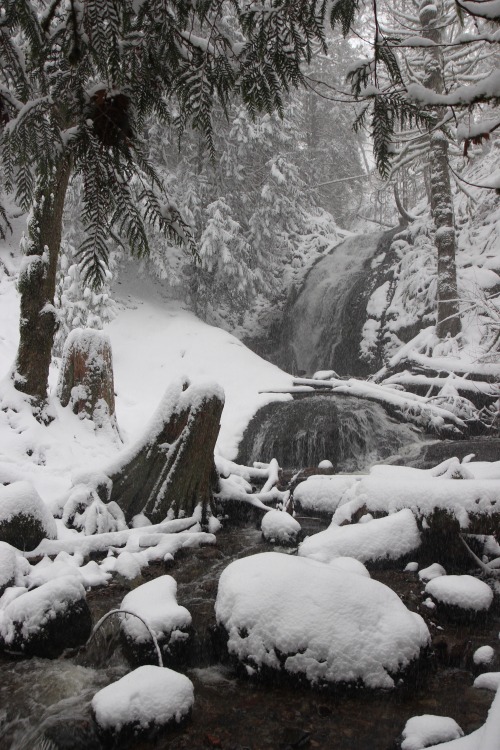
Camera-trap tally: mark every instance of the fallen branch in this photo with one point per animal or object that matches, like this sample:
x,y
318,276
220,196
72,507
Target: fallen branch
x,y
485,568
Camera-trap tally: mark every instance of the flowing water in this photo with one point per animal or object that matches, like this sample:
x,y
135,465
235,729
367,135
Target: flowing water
x,y
45,704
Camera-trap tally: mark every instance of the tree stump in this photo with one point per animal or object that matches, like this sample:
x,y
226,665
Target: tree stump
x,y
171,471
86,379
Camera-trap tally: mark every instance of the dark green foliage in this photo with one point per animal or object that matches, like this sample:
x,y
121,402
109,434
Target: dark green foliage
x,y
82,81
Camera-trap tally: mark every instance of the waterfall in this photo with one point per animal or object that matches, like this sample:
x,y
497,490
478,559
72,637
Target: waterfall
x,y
325,320
351,432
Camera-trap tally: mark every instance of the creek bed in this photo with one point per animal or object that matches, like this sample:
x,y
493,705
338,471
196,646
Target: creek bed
x,y
231,712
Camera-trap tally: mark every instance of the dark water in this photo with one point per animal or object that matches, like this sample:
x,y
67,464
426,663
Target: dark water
x,y
44,699
351,432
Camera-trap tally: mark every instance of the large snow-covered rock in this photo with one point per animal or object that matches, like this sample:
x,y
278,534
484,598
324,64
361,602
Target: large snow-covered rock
x,y
46,620
280,527
388,538
156,603
24,518
426,730
460,595
314,621
145,700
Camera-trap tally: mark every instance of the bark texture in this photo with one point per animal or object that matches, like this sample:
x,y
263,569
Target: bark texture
x,y
37,282
86,378
171,470
448,312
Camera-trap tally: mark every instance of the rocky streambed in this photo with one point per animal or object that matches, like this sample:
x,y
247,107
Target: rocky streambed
x,y
45,704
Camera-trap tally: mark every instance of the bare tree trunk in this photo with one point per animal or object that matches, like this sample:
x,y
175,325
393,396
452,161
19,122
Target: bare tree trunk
x,y
37,282
448,312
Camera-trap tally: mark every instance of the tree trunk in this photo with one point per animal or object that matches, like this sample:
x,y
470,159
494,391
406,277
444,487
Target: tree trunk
x,y
448,312
171,469
36,285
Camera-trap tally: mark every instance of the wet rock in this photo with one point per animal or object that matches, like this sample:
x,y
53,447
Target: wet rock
x,y
61,734
47,620
24,518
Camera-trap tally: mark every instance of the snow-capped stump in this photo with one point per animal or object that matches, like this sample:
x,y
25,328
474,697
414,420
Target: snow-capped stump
x,y
460,597
382,539
24,518
143,702
280,527
156,603
47,620
424,731
7,566
311,621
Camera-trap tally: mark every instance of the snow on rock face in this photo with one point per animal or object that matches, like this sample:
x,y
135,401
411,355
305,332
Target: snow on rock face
x,y
424,731
383,538
48,619
314,621
156,603
433,571
465,592
280,527
24,518
7,566
146,698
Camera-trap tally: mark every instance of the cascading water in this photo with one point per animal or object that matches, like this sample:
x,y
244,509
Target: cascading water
x,y
351,432
322,326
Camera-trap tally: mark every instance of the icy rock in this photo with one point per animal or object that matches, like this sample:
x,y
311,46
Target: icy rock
x,y
424,731
433,571
156,603
47,620
24,518
315,622
386,538
143,702
460,596
280,527
7,566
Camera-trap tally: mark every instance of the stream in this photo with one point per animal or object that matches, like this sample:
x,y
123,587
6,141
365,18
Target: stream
x,y
45,705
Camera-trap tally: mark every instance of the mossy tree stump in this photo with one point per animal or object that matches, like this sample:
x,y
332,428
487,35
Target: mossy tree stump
x,y
171,471
86,379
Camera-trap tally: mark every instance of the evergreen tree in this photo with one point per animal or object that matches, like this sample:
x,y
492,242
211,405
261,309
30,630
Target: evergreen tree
x,y
79,82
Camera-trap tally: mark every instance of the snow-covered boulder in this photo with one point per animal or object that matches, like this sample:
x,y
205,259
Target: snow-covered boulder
x,y
424,731
24,518
280,527
7,566
322,494
432,571
46,620
483,656
315,622
143,702
155,602
460,597
388,538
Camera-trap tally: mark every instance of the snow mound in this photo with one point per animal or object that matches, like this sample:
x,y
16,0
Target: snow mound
x,y
384,538
433,571
351,565
488,681
322,494
280,527
314,621
423,731
149,696
465,592
483,655
8,566
156,602
24,518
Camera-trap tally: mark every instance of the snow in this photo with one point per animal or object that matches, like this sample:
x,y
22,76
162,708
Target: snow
x,y
279,527
432,571
483,655
330,625
34,608
147,696
8,560
426,730
485,738
465,592
22,498
156,603
488,681
381,539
